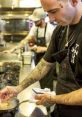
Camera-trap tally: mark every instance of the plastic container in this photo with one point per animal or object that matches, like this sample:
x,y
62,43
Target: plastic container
x,y
27,57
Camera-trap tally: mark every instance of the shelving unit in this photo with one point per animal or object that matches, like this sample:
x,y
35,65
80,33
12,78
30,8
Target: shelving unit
x,y
16,21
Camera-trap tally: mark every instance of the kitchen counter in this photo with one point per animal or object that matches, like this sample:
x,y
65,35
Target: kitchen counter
x,y
28,109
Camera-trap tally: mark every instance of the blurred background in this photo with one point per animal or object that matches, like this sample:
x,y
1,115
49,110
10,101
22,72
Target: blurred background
x,y
14,21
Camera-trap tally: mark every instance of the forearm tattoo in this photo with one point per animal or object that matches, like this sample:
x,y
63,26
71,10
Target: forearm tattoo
x,y
39,72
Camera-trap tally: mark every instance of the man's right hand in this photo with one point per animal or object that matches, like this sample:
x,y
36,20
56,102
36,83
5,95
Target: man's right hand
x,y
9,51
8,92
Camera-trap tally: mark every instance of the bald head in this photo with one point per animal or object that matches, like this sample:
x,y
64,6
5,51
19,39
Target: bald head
x,y
46,3
52,2
63,11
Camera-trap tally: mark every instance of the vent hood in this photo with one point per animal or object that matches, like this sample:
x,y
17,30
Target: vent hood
x,y
17,8
20,3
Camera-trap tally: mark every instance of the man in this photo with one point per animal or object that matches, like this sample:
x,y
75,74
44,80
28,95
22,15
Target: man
x,y
38,40
65,47
39,35
65,12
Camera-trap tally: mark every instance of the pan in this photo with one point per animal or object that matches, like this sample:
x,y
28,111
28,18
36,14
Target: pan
x,y
12,104
10,108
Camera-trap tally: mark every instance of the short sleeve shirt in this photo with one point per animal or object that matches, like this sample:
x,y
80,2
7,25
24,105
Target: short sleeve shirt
x,y
53,46
49,31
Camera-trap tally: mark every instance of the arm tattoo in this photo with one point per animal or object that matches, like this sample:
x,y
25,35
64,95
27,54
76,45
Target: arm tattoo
x,y
38,73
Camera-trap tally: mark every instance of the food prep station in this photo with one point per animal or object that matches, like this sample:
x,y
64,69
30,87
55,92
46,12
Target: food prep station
x,y
12,71
15,26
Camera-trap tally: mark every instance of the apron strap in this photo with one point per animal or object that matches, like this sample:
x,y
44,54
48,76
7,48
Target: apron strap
x,y
73,38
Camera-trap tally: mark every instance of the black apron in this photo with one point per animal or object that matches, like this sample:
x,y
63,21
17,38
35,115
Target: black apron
x,y
47,81
40,41
66,83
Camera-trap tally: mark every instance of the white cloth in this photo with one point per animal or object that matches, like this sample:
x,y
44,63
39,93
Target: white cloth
x,y
49,31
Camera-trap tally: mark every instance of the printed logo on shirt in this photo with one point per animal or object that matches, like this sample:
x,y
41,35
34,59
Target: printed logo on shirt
x,y
74,51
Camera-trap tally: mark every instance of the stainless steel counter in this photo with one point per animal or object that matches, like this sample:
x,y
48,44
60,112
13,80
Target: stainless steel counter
x,y
28,109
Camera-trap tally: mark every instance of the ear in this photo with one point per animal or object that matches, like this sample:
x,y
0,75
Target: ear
x,y
74,2
61,4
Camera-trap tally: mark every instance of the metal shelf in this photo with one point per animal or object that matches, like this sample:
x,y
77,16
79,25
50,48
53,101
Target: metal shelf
x,y
16,33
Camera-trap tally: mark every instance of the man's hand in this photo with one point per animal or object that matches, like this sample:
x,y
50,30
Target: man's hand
x,y
44,99
38,49
10,51
8,92
34,48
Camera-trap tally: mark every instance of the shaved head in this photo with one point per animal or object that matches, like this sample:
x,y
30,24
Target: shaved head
x,y
46,3
64,12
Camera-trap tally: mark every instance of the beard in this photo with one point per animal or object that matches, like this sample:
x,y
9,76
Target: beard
x,y
39,24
